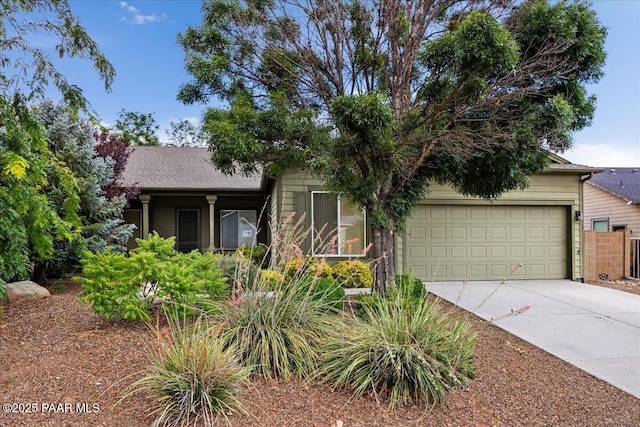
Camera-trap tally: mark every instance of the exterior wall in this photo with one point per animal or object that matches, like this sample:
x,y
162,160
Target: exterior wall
x,y
546,189
163,206
607,255
600,204
549,189
163,215
293,194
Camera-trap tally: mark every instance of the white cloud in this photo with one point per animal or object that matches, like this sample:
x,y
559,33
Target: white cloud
x,y
135,17
603,155
128,7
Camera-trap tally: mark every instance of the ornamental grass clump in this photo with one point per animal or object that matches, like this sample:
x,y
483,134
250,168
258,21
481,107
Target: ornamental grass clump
x,y
277,331
192,378
408,355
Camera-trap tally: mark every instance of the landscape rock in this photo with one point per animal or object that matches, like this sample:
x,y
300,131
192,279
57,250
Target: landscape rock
x,y
19,292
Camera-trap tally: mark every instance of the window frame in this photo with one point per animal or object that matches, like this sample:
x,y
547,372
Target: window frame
x,y
254,226
600,220
339,245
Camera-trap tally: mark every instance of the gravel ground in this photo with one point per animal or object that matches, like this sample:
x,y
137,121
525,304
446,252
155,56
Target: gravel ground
x,y
68,367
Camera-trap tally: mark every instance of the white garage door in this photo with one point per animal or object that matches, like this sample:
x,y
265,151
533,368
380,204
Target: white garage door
x,y
449,242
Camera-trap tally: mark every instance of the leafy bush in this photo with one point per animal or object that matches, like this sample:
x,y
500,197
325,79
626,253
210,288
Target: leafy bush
x,y
407,287
277,331
119,286
192,377
307,266
353,274
408,356
329,291
271,278
258,254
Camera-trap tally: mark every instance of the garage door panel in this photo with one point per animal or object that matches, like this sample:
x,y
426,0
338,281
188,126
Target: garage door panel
x,y
478,233
490,239
459,233
458,252
438,233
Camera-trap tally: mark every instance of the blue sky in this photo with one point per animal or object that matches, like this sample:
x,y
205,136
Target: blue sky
x,y
139,38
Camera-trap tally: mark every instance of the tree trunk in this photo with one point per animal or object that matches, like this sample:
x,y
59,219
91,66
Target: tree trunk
x,y
384,259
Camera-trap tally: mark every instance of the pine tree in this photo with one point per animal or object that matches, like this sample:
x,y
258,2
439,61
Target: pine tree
x,y
71,141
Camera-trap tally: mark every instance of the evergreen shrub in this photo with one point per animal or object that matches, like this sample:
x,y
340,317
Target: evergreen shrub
x,y
127,287
353,274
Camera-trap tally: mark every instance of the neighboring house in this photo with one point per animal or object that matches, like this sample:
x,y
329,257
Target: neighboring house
x,y
612,201
448,236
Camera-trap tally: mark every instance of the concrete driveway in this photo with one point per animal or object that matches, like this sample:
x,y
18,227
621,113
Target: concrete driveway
x,y
594,328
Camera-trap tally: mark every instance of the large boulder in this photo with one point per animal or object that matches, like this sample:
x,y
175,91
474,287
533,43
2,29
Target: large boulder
x,y
19,292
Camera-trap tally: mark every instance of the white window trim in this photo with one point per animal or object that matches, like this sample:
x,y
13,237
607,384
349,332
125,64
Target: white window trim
x,y
338,244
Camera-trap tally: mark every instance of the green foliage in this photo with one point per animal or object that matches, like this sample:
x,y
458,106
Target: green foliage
x,y
51,20
192,378
185,134
409,287
71,140
258,254
241,273
269,279
29,222
139,128
353,274
408,356
119,286
329,291
381,114
277,331
309,266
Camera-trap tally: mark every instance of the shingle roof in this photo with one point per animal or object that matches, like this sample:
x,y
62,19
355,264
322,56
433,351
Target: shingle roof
x,y
182,168
624,182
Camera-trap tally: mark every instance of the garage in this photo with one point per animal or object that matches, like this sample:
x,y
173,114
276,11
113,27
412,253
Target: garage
x,y
487,242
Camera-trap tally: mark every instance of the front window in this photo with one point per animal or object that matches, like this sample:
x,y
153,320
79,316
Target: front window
x,y
237,227
338,225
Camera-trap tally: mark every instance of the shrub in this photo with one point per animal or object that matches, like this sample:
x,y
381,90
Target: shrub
x,y
258,254
408,356
118,286
353,274
270,279
240,272
276,333
329,291
307,266
192,377
408,288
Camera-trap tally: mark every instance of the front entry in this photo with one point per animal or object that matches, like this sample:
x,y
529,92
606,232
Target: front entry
x,y
188,230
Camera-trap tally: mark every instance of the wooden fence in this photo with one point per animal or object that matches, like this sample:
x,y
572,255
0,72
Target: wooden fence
x,y
608,256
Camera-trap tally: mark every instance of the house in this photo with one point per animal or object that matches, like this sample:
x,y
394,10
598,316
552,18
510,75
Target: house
x,y
448,236
612,201
184,195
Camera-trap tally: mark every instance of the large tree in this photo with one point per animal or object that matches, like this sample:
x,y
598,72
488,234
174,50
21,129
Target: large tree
x,y
29,223
139,128
382,98
71,141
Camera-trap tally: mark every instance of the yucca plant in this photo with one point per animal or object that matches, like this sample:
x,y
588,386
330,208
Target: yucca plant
x,y
408,354
193,378
276,331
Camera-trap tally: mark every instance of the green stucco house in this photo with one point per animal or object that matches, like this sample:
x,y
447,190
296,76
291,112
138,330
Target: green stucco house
x,y
532,234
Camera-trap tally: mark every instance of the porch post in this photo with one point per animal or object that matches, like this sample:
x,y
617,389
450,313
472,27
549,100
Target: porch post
x,y
145,198
212,203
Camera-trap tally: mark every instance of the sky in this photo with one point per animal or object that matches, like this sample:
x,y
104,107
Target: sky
x,y
140,40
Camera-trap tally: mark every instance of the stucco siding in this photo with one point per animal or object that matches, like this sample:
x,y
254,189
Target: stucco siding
x,y
600,204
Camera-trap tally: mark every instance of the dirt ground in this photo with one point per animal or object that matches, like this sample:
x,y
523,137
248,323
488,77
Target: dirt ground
x,y
62,365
